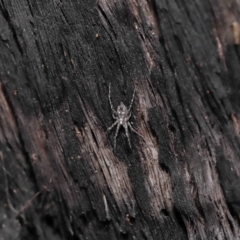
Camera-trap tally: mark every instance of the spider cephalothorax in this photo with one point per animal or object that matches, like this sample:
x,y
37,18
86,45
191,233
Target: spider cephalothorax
x,y
122,116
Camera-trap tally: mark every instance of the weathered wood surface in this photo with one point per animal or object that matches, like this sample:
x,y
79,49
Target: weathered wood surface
x,y
60,178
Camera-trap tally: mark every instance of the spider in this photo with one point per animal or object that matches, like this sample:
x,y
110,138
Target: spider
x,y
122,116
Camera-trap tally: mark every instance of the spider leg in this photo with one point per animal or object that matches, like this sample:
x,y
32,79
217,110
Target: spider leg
x,y
111,105
129,124
131,100
128,116
111,127
114,117
115,136
127,134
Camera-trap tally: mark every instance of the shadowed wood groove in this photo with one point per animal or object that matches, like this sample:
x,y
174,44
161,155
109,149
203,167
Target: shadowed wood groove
x,y
60,177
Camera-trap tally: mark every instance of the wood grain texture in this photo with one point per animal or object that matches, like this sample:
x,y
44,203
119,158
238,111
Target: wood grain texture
x,y
61,178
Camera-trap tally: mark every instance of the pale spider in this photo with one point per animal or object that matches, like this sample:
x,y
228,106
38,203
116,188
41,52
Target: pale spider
x,y
122,116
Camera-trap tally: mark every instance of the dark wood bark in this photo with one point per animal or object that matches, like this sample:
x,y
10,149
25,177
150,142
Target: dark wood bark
x,y
61,178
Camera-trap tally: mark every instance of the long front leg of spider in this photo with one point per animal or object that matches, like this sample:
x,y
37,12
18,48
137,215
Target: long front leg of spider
x,y
115,136
129,109
127,134
129,124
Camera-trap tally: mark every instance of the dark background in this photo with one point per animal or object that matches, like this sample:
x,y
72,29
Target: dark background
x,y
60,177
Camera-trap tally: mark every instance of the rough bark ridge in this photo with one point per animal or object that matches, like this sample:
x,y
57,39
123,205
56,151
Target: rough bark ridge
x,y
60,178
